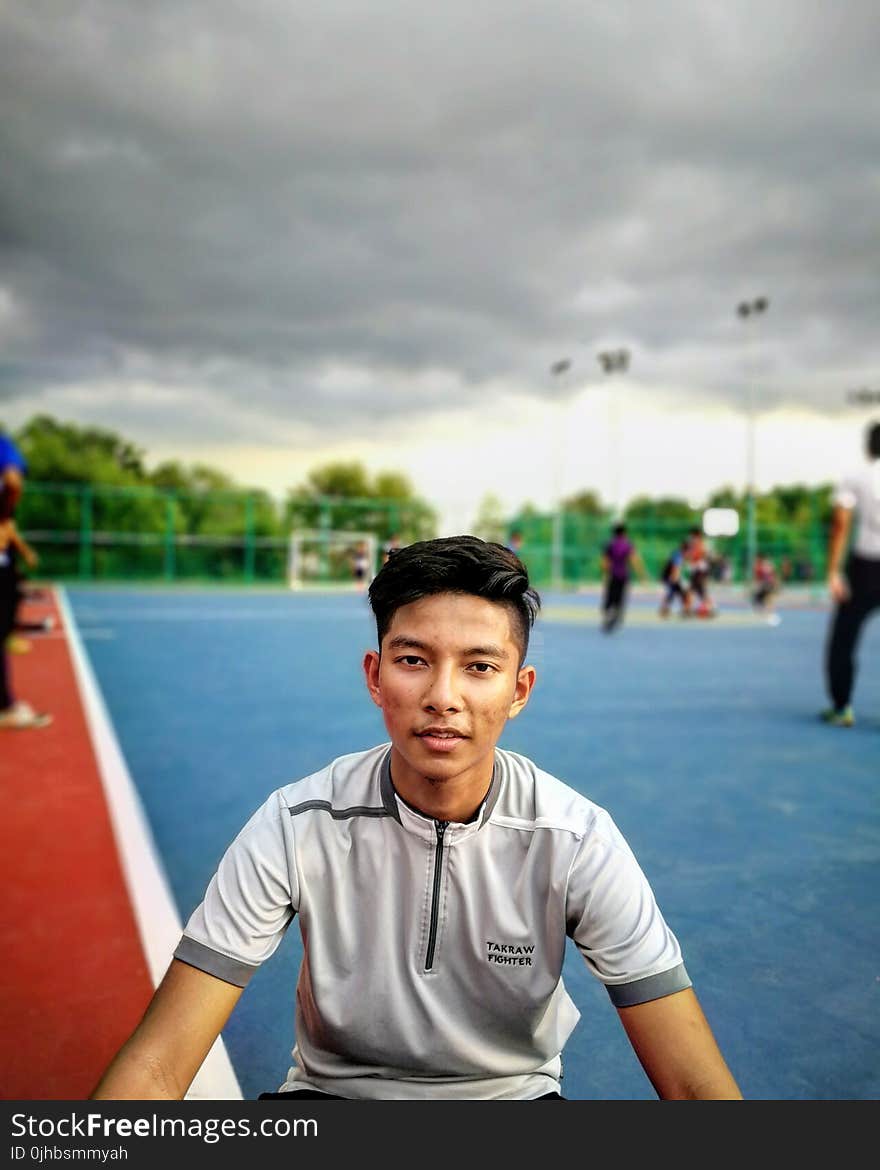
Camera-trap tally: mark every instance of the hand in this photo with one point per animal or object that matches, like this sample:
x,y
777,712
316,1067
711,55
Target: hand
x,y
30,558
838,587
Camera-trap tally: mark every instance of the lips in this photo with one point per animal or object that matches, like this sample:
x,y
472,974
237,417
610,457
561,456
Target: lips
x,y
440,739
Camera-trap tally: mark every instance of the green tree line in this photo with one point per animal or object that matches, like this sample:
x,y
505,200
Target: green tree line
x,y
196,499
91,480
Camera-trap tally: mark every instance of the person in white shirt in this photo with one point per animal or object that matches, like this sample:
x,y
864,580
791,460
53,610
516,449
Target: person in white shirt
x,y
853,580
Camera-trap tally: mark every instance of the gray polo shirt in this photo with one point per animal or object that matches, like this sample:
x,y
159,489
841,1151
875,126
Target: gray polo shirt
x,y
433,952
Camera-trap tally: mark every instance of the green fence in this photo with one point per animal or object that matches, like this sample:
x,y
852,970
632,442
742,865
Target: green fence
x,y
565,549
88,532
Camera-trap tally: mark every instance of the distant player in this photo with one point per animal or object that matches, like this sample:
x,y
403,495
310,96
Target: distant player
x,y
853,576
14,714
697,563
766,586
391,547
619,559
361,565
675,582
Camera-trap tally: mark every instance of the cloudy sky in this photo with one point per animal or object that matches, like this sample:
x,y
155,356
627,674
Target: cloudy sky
x,y
267,234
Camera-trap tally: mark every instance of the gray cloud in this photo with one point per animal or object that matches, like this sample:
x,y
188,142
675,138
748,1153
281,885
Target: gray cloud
x,y
239,197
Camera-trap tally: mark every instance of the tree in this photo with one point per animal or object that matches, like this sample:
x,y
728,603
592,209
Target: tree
x,y
347,480
490,522
199,477
726,497
665,509
341,496
74,460
59,452
393,485
586,503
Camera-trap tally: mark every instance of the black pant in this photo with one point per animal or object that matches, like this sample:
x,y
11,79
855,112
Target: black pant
x,y
8,606
863,576
613,602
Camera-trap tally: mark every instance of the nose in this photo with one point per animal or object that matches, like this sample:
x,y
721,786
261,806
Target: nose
x,y
441,694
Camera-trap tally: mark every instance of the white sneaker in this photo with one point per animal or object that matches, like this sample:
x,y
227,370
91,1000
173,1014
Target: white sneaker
x,y
22,715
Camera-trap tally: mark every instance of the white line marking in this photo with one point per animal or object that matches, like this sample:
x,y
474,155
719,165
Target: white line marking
x,y
144,614
151,898
87,633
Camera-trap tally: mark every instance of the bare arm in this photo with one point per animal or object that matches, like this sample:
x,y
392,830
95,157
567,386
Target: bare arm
x,y
635,559
27,553
676,1048
13,485
163,1054
841,521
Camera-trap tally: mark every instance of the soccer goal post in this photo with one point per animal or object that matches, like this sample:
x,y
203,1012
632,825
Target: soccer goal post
x,y
320,558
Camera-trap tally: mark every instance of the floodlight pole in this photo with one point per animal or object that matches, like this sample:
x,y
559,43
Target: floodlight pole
x,y
557,555
745,310
614,361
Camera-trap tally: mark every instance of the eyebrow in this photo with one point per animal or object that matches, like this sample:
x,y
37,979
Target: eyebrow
x,y
490,650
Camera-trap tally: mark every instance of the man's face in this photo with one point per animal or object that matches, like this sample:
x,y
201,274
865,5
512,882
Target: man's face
x,y
447,680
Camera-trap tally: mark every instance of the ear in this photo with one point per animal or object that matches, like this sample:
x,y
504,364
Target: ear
x,y
525,681
371,674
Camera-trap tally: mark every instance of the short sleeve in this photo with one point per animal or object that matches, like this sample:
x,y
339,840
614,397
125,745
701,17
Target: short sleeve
x,y
615,921
249,903
845,494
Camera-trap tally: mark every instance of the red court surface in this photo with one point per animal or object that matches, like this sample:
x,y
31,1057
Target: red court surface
x,y
74,977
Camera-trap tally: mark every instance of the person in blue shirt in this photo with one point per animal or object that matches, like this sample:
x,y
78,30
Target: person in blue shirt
x,y
675,582
13,469
14,715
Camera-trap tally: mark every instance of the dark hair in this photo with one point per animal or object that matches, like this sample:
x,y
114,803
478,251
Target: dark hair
x,y
455,564
873,440
620,530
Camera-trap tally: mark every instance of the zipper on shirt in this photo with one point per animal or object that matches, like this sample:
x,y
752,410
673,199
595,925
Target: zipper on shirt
x,y
440,828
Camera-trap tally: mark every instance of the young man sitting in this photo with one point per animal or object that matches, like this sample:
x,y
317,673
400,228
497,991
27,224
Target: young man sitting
x,y
437,879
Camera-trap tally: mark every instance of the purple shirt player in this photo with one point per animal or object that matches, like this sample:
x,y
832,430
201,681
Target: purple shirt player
x,y
618,551
619,557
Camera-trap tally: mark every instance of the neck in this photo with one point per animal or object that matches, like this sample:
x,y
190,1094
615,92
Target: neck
x,y
441,800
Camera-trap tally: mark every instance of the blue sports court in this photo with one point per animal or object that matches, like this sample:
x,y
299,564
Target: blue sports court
x,y
757,825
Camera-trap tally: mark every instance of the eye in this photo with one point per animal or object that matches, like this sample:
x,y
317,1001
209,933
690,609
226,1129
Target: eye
x,y
409,659
481,667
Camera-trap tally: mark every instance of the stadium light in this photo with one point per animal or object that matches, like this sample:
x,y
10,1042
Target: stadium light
x,y
745,311
557,369
614,361
864,396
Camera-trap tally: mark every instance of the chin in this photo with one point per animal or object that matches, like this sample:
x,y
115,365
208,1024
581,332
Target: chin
x,y
437,771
